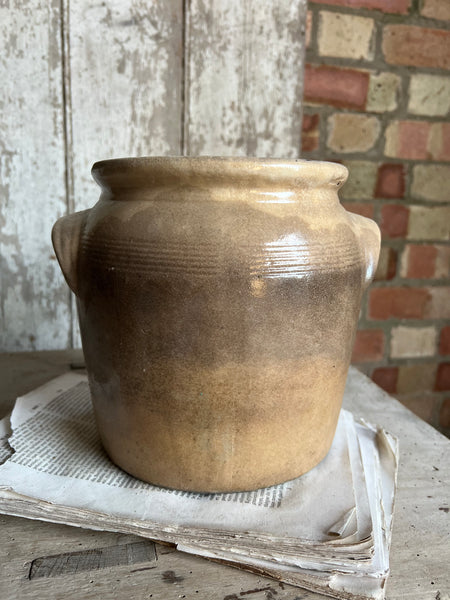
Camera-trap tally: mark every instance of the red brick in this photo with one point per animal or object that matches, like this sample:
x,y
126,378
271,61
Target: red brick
x,y
387,264
442,149
394,220
345,88
418,140
392,264
310,122
443,377
369,346
399,7
309,24
444,416
310,143
408,139
413,139
359,208
390,181
416,46
310,132
421,261
386,378
444,340
399,302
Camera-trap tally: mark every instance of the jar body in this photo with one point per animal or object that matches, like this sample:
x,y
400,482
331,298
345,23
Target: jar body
x,y
217,325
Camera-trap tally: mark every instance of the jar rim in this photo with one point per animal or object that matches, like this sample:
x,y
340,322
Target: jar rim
x,y
216,171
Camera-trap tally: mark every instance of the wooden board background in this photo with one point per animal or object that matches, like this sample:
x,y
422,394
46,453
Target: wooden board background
x,y
84,81
34,305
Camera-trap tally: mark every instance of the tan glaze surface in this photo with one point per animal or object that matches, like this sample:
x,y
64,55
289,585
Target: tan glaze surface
x,y
218,301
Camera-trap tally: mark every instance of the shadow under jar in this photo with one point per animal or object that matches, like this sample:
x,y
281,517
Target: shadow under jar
x,y
218,300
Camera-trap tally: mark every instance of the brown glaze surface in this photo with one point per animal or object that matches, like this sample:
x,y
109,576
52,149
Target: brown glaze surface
x,y
218,301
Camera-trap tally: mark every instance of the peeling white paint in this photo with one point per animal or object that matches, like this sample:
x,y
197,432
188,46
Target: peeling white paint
x,y
245,65
126,74
125,86
35,311
85,81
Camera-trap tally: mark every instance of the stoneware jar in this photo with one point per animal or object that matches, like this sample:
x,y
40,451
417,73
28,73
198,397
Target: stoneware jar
x,y
218,300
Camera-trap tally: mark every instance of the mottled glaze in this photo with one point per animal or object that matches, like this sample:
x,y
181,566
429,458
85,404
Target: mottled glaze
x,y
218,300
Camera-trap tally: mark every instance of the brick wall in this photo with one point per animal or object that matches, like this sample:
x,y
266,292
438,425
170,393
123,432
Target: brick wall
x,y
377,98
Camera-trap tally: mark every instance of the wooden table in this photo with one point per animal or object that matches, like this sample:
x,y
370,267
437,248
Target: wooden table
x,y
55,562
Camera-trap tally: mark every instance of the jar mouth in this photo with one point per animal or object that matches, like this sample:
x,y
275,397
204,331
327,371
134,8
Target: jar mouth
x,y
216,171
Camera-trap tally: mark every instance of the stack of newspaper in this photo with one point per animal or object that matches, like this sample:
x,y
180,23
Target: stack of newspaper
x,y
328,531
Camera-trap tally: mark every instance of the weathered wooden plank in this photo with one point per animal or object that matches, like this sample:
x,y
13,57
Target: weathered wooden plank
x,y
420,550
34,302
244,77
94,559
174,575
124,85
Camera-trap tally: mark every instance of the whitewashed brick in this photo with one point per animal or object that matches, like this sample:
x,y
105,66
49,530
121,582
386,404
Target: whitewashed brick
x,y
431,182
429,95
361,180
426,223
409,342
383,92
345,36
348,132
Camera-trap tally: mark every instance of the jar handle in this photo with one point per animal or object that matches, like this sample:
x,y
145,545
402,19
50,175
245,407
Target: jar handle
x,y
66,234
369,238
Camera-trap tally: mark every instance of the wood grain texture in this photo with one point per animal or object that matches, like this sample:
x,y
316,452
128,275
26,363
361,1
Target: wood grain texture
x,y
125,62
34,302
420,551
244,74
174,575
93,559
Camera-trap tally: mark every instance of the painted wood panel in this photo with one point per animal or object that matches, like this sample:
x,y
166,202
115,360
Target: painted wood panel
x,y
125,63
244,77
124,73
34,302
84,81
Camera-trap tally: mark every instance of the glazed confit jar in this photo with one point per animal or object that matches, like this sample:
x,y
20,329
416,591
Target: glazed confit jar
x,y
218,300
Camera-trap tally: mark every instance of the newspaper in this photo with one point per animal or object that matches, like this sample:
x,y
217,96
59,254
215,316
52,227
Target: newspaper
x,y
5,432
320,531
